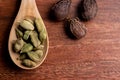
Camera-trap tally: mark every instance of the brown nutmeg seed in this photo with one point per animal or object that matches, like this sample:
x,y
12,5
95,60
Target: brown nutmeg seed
x,y
61,9
77,28
87,9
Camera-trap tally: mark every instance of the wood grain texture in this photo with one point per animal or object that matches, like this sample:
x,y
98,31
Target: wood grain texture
x,y
95,57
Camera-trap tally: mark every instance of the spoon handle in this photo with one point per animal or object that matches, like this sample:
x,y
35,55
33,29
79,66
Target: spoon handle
x,y
28,8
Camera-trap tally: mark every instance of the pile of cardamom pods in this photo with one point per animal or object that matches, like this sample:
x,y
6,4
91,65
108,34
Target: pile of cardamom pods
x,y
30,41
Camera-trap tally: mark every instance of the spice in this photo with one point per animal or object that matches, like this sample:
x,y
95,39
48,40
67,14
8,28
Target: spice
x,y
77,28
18,44
87,9
28,43
26,25
28,63
61,9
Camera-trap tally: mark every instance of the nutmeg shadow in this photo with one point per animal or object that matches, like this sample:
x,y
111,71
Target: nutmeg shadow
x,y
51,15
68,31
80,10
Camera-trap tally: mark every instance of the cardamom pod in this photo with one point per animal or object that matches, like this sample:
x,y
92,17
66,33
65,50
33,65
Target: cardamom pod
x,y
30,20
26,35
61,9
26,48
18,45
28,63
39,53
43,36
33,55
40,47
87,9
34,39
19,33
26,25
39,24
77,28
22,56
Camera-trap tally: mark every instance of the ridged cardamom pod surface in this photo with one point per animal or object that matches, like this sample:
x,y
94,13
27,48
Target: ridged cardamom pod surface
x,y
77,28
61,9
87,9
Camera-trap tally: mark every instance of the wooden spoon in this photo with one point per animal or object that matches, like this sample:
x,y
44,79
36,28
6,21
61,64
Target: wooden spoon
x,y
28,9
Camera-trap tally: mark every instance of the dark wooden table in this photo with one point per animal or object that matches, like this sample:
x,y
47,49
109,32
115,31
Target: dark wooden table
x,y
94,57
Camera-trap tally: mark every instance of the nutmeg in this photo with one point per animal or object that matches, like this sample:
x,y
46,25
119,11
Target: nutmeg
x,y
77,28
87,9
60,10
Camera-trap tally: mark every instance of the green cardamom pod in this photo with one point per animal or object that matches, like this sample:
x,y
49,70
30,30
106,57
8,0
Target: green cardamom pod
x,y
33,56
26,48
30,20
40,47
43,36
39,53
18,45
26,35
28,63
19,33
26,25
22,56
34,39
39,24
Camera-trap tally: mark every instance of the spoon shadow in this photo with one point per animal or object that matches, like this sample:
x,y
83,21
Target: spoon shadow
x,y
5,53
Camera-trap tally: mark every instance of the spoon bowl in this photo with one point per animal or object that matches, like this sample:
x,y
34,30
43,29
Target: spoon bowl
x,y
28,9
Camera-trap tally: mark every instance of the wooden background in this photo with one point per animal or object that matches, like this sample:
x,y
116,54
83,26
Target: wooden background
x,y
94,57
